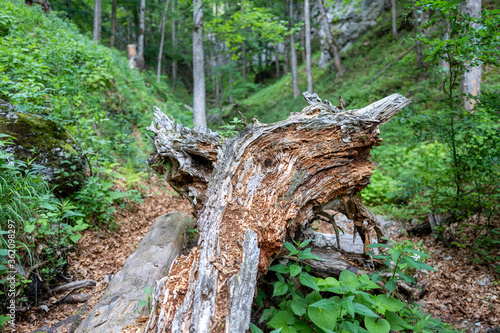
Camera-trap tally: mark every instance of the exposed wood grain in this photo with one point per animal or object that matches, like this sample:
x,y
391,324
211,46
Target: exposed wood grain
x,y
271,179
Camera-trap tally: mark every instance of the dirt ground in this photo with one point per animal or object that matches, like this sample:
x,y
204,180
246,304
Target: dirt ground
x,y
461,292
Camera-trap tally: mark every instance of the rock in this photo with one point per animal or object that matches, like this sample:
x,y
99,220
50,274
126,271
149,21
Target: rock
x,y
347,23
46,143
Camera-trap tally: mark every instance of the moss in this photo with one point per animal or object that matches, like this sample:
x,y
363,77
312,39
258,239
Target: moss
x,y
45,142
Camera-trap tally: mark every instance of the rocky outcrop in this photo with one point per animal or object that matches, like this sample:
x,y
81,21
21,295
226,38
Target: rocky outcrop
x,y
46,144
347,23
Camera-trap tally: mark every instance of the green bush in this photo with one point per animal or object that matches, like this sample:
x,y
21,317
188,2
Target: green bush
x,y
350,304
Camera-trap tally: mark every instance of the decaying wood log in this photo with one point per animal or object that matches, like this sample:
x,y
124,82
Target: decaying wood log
x,y
270,181
119,305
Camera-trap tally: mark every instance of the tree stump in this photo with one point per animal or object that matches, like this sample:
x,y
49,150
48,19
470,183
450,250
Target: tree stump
x,y
253,192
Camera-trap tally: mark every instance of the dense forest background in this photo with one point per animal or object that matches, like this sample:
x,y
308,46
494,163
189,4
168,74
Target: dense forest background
x,y
64,70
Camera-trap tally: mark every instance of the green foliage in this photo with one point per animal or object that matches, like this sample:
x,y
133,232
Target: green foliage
x,y
257,20
231,129
146,302
351,303
402,259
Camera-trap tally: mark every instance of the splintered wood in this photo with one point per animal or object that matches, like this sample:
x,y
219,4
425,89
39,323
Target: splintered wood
x,y
253,192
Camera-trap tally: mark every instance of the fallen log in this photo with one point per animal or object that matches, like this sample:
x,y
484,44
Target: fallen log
x,y
74,285
261,188
119,305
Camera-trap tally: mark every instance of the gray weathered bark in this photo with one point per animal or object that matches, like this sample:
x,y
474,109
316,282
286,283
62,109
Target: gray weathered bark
x,y
142,26
199,117
293,57
148,264
270,182
331,43
417,21
162,39
307,32
97,21
471,80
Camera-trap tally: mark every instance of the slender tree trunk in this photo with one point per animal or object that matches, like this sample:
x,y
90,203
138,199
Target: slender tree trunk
x,y
142,18
174,47
97,20
307,17
417,18
471,79
394,22
160,54
303,43
277,59
198,66
286,61
113,24
244,49
331,43
293,56
68,8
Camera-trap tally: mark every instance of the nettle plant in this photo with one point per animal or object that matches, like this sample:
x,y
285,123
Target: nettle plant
x,y
350,304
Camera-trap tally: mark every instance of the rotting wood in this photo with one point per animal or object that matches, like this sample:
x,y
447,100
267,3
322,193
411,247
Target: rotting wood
x,y
120,304
271,179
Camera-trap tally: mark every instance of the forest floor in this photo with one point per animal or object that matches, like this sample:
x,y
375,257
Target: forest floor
x,y
461,292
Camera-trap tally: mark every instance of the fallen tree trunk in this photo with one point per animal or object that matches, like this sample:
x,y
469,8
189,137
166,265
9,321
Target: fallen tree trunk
x,y
120,305
253,192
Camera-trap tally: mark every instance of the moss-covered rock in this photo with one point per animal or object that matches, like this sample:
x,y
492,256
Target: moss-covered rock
x,y
47,144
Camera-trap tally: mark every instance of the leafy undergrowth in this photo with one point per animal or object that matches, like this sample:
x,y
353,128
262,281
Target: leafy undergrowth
x,y
49,69
92,260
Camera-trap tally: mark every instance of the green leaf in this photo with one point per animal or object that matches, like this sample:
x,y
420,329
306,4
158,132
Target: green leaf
x,y
280,268
295,270
266,314
308,280
280,288
397,323
389,303
75,237
255,329
380,326
325,304
282,319
325,319
298,305
364,311
346,276
148,290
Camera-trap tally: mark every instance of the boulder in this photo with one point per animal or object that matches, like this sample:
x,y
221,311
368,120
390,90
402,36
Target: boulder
x,y
46,144
347,23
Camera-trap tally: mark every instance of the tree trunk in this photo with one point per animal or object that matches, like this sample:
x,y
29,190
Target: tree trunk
x,y
142,18
199,117
332,47
151,261
307,18
113,24
471,79
293,56
417,19
394,22
97,20
162,39
243,49
174,46
251,194
277,59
